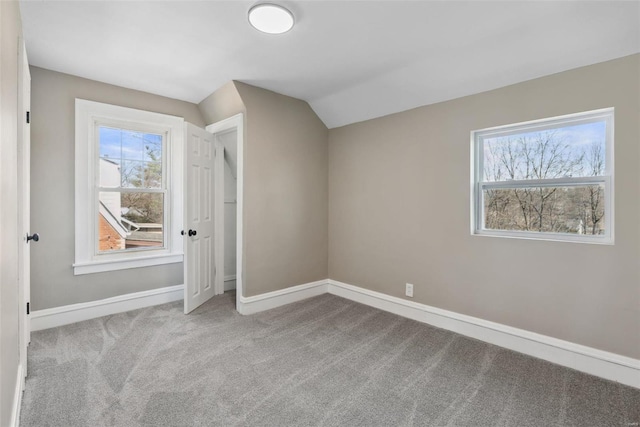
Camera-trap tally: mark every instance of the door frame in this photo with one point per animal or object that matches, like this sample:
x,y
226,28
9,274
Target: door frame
x,y
236,123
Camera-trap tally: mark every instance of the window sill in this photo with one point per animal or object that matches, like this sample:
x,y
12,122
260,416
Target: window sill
x,y
547,237
123,264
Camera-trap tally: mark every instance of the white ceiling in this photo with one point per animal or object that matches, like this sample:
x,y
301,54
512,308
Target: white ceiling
x,y
351,60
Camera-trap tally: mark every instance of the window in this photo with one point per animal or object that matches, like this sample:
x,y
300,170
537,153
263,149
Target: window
x,y
128,188
550,179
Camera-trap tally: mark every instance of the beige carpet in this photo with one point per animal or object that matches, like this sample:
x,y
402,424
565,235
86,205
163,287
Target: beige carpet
x,y
325,361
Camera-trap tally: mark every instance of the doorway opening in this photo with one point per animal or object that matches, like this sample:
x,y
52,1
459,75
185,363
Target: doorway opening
x,y
229,140
230,134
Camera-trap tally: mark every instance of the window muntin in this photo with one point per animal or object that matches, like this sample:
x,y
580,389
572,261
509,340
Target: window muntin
x,y
132,191
549,179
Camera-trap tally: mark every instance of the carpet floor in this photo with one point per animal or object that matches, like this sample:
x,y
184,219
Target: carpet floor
x,y
325,361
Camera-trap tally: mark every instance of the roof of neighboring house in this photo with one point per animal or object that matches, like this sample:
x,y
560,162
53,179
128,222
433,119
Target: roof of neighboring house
x,y
130,225
104,159
130,211
113,221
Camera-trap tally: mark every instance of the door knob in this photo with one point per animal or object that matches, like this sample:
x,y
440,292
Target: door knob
x,y
192,232
35,237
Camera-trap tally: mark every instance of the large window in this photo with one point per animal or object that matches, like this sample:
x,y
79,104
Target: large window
x,y
128,188
549,179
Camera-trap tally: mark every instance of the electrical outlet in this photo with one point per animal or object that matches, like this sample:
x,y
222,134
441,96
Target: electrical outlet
x,y
409,290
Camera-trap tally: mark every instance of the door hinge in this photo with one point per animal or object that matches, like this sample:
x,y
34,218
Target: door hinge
x,y
28,116
28,308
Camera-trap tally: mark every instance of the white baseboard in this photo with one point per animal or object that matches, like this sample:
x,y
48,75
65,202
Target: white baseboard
x,y
58,316
229,282
269,300
229,285
596,362
17,398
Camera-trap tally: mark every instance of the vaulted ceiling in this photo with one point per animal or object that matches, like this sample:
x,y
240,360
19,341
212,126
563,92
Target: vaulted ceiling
x,y
351,60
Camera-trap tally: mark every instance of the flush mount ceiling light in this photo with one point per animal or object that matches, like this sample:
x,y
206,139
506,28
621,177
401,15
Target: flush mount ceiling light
x,y
270,18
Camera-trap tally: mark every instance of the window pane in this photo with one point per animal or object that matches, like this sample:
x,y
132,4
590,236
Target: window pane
x,y
135,156
572,210
141,174
132,147
110,174
109,143
568,151
130,221
152,147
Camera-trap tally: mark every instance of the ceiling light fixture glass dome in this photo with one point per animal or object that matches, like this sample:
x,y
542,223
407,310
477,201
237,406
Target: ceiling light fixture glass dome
x,y
270,18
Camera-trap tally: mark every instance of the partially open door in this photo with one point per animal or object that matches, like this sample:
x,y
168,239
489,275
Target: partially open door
x,y
24,210
204,217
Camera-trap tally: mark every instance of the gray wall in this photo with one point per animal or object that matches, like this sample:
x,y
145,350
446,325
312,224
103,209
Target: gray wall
x,y
10,30
221,104
52,190
285,186
285,192
399,202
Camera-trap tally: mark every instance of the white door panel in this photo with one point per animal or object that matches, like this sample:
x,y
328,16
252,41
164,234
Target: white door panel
x,y
24,207
203,215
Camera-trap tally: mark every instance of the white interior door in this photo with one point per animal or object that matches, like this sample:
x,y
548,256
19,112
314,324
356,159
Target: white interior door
x,y
24,210
204,217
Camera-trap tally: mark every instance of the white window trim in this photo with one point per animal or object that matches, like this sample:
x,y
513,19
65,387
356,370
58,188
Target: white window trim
x,y
88,114
477,211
